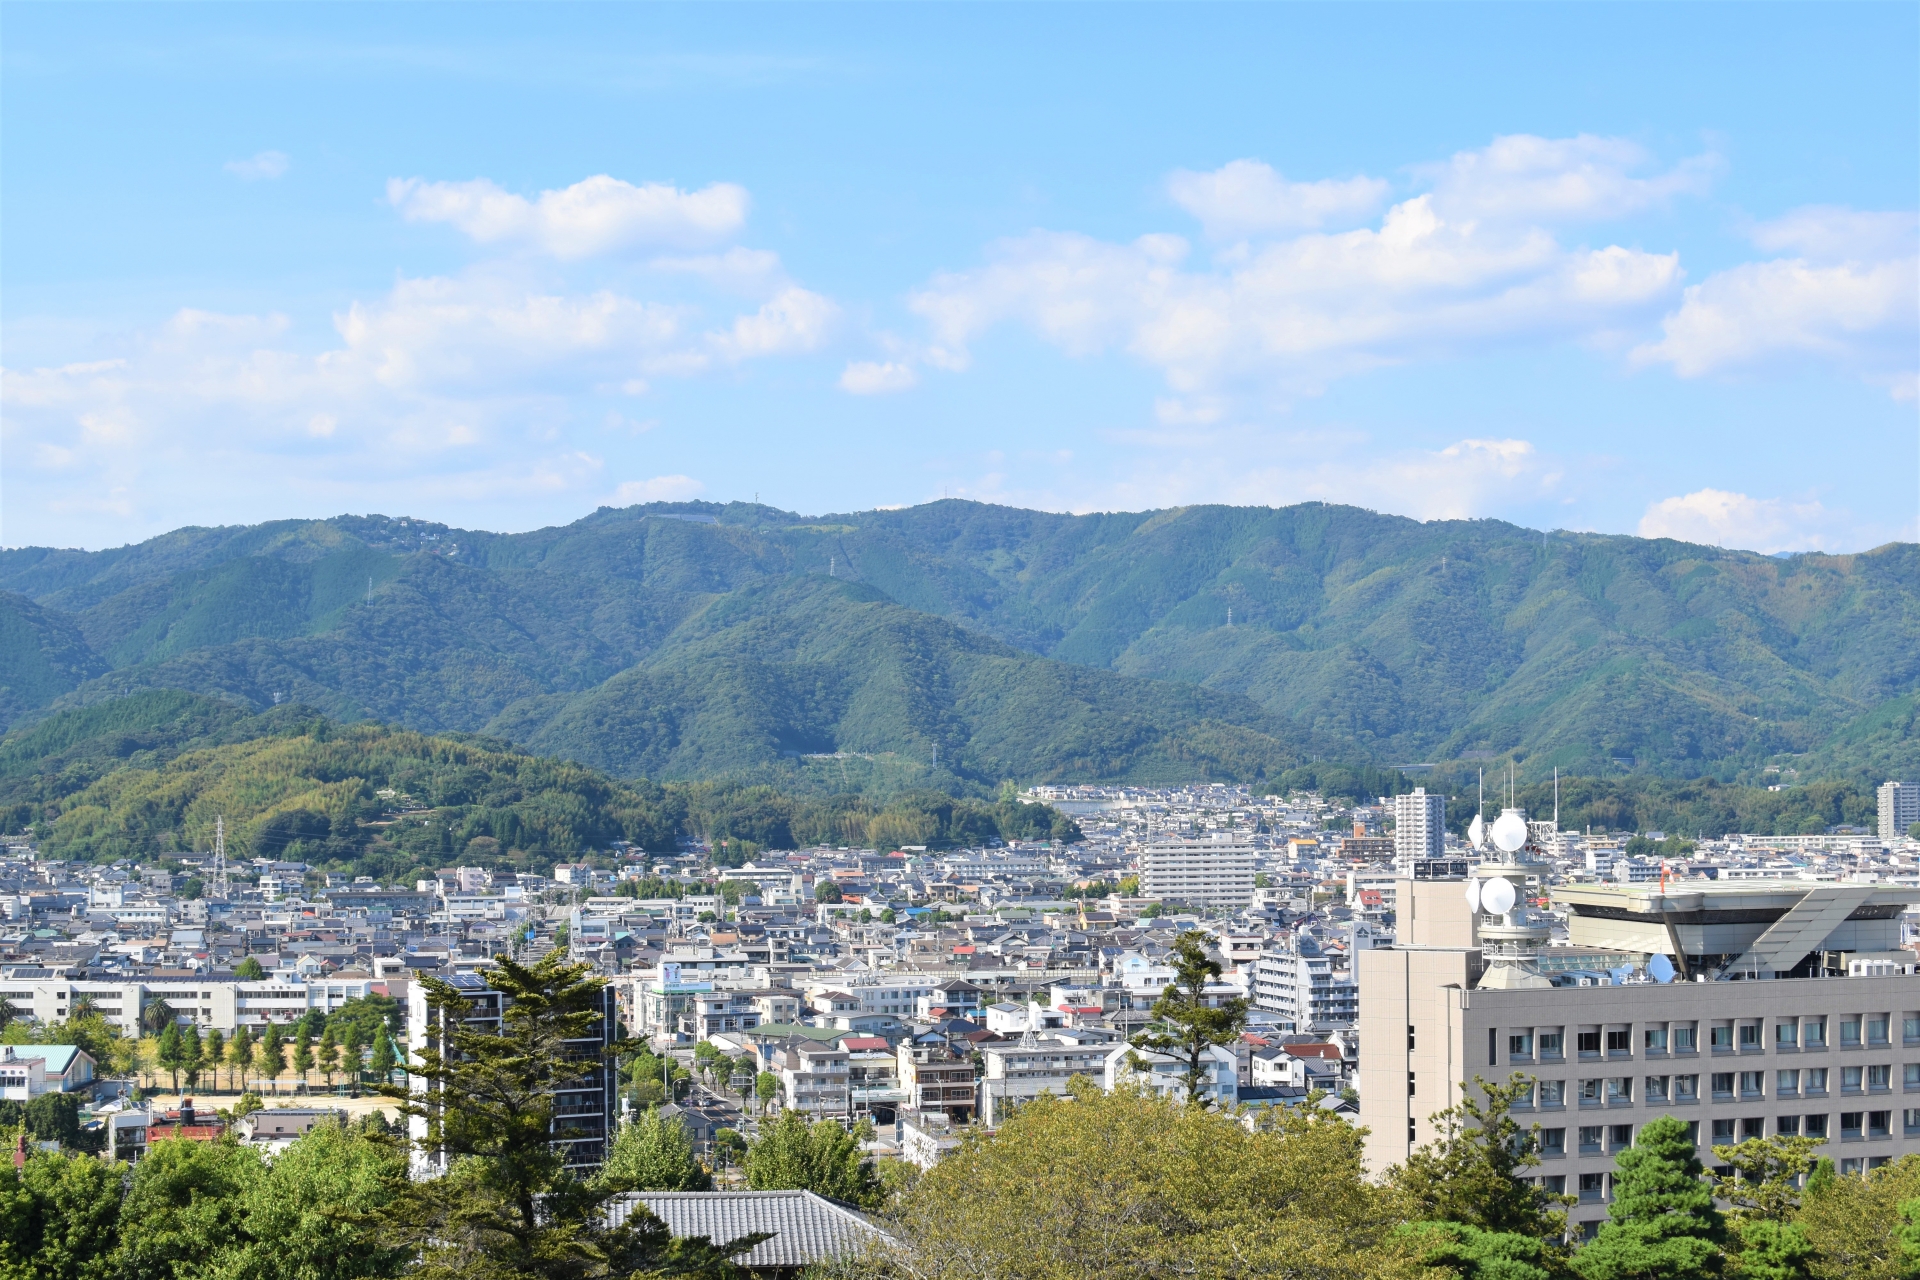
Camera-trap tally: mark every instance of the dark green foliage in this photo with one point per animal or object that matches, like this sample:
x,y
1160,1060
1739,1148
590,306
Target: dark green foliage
x,y
1470,1172
1184,1025
59,1218
823,1157
369,1014
653,1153
1473,1254
1662,1224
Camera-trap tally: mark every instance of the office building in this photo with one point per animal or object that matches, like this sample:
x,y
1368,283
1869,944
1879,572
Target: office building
x,y
1899,809
1786,1011
583,1110
1419,826
1198,873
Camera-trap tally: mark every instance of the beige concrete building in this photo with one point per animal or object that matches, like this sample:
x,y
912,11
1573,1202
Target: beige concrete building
x,y
1216,872
1791,1010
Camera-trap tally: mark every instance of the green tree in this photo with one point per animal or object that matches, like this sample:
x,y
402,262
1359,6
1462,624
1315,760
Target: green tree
x,y
273,1056
384,1058
316,1213
823,1157
184,1204
59,1217
654,1153
506,1207
1105,1186
1857,1224
168,1056
240,1053
302,1051
1469,1253
1186,1025
1762,1187
353,1053
250,970
1470,1173
193,1054
215,1047
827,891
766,1087
1662,1224
329,1056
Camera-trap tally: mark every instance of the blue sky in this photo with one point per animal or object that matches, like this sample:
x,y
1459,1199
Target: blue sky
x,y
1630,268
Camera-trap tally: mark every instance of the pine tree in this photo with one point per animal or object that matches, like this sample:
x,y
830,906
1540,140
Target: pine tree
x,y
1663,1224
1470,1172
193,1054
1185,1026
168,1057
302,1051
215,1047
507,1207
384,1058
273,1056
329,1056
240,1053
353,1054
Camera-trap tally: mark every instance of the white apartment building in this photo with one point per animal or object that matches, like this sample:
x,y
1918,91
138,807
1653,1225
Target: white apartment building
x,y
1035,1064
1199,873
1761,1031
207,1002
814,1079
1164,1074
1419,825
1899,809
1303,986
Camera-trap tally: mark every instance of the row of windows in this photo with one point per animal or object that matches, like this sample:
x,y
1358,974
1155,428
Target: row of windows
x,y
1600,1139
1788,1082
1854,1030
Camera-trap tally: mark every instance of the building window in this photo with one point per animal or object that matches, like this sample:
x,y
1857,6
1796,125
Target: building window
x,y
1593,1187
1553,1142
1850,1123
1749,1035
1553,1044
1656,1039
1619,1090
1619,1136
1553,1093
1589,1093
1722,1084
1910,1077
1850,1079
1816,1080
1520,1046
1722,1132
1880,1077
1911,1116
1722,1036
1786,1035
1589,1043
1786,1083
1685,1037
1879,1123
1590,1135
1850,1032
1620,1041
1816,1126
1656,1090
1910,1027
1686,1088
1752,1127
1813,1033
1786,1126
1752,1084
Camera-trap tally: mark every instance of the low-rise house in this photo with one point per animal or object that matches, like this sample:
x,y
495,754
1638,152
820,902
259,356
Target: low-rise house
x,y
804,1231
278,1128
1164,1073
29,1070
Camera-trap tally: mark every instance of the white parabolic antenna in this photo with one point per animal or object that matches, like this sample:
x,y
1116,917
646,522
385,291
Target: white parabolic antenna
x,y
1510,832
1497,896
1660,969
1473,894
1477,832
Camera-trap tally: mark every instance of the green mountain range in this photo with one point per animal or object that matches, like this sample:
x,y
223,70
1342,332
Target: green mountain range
x,y
956,644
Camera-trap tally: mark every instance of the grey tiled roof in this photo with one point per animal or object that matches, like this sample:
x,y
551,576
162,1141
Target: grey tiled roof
x,y
806,1228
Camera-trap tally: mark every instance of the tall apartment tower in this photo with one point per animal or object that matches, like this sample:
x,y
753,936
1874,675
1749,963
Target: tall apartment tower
x,y
1420,826
1899,808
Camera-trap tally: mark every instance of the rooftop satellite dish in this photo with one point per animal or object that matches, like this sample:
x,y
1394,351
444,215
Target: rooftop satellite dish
x,y
1510,832
1660,969
1497,896
1477,832
1473,895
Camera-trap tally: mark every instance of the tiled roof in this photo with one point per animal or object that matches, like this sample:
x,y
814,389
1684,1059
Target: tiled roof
x,y
806,1228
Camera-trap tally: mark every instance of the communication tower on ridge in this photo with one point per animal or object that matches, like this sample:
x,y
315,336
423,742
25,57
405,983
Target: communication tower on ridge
x,y
217,890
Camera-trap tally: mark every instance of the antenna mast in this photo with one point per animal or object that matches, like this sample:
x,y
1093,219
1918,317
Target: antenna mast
x,y
219,887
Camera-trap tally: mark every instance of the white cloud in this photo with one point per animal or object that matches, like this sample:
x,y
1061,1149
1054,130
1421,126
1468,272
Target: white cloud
x,y
794,320
1520,178
1247,197
659,489
1297,312
261,165
593,216
1718,518
1853,311
873,377
1832,233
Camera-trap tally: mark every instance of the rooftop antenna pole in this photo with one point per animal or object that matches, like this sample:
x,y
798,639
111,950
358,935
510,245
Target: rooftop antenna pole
x,y
1556,797
220,857
1483,791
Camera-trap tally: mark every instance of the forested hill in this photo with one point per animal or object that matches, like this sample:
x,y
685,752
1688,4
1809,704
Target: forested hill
x,y
689,640
147,775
